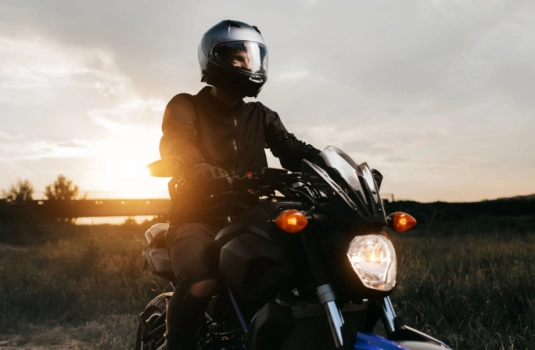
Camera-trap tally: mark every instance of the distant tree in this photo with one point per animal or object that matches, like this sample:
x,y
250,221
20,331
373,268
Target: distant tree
x,y
62,189
60,194
20,192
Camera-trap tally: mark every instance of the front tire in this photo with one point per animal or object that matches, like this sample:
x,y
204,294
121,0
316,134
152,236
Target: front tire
x,y
152,324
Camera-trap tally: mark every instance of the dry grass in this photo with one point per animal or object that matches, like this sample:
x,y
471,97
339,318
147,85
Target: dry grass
x,y
472,290
87,286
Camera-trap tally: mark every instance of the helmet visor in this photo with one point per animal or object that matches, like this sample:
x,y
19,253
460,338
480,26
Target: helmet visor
x,y
247,55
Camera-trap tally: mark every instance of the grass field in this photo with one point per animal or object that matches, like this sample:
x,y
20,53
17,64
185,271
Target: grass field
x,y
473,290
85,284
469,284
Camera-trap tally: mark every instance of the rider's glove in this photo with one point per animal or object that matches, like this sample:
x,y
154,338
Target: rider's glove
x,y
209,178
206,172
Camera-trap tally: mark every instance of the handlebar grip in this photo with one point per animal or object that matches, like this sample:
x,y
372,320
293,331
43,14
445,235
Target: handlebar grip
x,y
243,184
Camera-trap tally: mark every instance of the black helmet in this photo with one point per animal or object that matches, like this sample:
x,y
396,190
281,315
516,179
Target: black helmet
x,y
233,57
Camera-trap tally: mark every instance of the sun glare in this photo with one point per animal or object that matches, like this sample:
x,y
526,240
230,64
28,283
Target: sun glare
x,y
122,166
129,178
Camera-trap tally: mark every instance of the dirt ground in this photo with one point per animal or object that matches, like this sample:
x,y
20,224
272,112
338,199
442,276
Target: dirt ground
x,y
68,344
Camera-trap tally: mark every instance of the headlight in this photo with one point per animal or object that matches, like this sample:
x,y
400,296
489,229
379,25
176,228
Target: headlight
x,y
374,260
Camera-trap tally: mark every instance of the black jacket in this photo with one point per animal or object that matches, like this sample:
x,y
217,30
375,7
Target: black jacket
x,y
230,138
201,129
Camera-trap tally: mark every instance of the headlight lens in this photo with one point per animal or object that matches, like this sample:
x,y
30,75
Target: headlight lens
x,y
373,258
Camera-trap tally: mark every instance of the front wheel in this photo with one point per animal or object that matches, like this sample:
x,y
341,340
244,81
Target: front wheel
x,y
152,325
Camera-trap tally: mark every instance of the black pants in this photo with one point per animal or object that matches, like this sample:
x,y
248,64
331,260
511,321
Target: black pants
x,y
194,259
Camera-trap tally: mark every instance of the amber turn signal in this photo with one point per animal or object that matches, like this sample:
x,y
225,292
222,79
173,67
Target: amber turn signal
x,y
291,221
400,221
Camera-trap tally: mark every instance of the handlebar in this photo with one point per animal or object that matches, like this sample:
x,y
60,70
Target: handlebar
x,y
257,185
261,184
265,181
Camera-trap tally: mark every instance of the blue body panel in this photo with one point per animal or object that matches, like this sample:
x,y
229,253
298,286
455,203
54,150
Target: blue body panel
x,y
369,341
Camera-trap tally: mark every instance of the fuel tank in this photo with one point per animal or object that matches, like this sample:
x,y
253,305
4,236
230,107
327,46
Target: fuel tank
x,y
254,261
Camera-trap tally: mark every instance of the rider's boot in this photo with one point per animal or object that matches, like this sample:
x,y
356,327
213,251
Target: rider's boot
x,y
185,315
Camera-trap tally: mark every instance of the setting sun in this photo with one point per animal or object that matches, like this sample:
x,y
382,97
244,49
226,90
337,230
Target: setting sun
x,y
121,162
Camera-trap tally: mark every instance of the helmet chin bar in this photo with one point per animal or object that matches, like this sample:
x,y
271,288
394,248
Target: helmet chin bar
x,y
238,87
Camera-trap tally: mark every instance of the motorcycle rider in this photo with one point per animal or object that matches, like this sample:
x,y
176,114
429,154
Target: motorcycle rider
x,y
217,136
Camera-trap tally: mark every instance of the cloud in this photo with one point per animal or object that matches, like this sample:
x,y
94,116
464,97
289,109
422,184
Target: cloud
x,y
294,69
34,66
45,83
132,110
23,148
5,136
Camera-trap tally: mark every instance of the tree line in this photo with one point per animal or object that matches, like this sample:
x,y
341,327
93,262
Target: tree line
x,y
62,189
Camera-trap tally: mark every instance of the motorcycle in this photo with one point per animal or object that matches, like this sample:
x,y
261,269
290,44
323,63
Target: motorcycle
x,y
309,266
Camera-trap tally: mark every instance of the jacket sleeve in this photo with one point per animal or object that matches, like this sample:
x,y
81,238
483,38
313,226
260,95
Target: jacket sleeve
x,y
284,145
179,131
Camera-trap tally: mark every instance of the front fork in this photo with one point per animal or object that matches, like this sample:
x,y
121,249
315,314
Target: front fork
x,y
325,293
390,321
336,321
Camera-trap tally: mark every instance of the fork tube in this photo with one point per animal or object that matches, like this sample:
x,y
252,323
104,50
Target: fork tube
x,y
336,321
388,315
325,291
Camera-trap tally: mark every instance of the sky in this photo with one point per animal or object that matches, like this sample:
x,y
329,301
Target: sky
x,y
436,94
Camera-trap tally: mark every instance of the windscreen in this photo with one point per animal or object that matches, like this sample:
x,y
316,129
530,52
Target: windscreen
x,y
351,183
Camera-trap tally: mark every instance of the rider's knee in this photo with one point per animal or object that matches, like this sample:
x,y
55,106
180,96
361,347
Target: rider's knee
x,y
203,288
